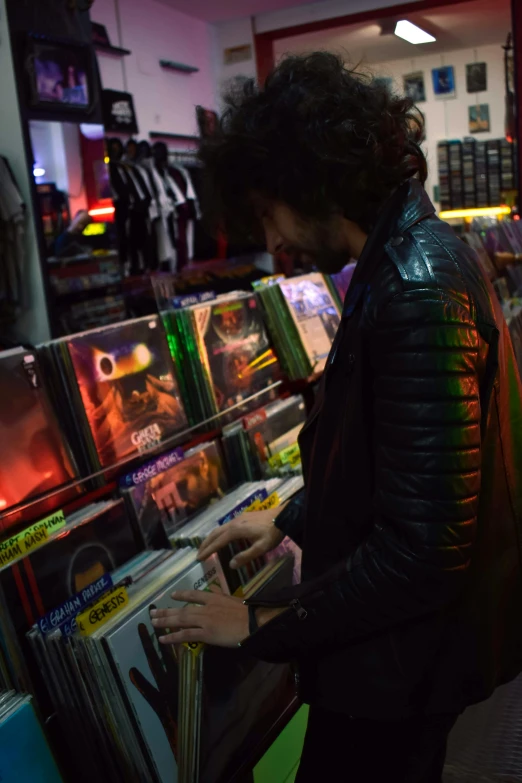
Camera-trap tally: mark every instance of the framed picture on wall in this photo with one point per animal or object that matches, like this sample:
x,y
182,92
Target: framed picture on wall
x,y
479,118
414,86
476,77
384,81
444,82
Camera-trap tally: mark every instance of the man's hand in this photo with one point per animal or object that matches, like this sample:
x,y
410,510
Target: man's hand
x,y
256,527
210,617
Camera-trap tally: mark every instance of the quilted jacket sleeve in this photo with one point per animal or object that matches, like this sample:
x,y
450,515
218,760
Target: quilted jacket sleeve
x,y
424,355
290,520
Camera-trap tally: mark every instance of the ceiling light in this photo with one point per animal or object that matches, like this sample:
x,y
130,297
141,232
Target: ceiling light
x,y
38,172
411,33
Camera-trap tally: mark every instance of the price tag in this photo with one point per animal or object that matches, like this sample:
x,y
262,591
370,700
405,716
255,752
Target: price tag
x,y
97,615
30,539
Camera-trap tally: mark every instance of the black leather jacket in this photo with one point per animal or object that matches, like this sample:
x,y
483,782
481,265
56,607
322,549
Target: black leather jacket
x,y
410,522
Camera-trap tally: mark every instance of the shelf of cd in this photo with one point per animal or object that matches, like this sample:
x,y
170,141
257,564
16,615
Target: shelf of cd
x,y
183,437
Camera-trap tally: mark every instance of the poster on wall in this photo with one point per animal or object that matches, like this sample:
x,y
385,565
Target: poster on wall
x,y
444,82
478,118
384,81
476,77
118,112
414,86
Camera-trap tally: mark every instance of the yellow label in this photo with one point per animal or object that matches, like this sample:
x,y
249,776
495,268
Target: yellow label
x,y
194,647
97,615
291,455
274,461
271,501
31,538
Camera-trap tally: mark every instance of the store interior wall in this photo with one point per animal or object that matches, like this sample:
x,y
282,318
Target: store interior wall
x,y
33,325
445,119
449,119
238,32
164,100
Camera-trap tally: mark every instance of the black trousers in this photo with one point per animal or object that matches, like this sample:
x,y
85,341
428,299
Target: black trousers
x,y
370,751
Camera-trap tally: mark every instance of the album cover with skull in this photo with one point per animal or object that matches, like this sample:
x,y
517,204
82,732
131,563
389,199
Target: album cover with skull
x,y
128,388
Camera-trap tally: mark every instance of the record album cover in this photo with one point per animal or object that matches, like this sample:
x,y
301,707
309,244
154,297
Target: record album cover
x,y
75,559
314,313
237,693
128,388
167,500
37,459
240,359
24,753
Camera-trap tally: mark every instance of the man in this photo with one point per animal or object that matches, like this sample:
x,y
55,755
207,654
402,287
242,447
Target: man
x,y
411,602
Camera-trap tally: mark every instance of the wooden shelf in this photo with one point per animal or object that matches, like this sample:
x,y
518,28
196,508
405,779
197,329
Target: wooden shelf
x,y
180,67
116,51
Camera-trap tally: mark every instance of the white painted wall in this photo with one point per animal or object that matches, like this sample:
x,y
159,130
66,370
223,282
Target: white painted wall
x,y
448,119
33,326
225,35
164,100
239,31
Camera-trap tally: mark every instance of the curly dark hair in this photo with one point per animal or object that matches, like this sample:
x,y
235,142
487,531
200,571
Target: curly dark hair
x,y
319,137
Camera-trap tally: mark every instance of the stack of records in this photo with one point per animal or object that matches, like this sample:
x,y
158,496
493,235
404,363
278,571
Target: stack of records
x,y
264,443
474,240
152,712
24,752
222,352
250,496
117,389
73,560
303,317
166,492
34,458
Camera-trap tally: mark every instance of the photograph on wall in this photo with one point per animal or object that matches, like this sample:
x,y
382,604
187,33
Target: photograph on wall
x,y
476,77
444,82
414,87
478,118
384,81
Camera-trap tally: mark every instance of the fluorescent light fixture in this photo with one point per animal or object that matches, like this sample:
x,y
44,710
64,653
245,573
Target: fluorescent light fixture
x,y
411,33
38,172
101,211
475,212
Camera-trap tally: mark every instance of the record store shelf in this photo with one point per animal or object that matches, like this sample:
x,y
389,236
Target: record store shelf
x,y
187,437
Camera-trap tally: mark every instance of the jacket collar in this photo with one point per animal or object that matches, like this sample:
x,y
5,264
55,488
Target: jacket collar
x,y
416,206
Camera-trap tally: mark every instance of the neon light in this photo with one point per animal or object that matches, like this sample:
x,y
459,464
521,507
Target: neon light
x,y
474,212
101,211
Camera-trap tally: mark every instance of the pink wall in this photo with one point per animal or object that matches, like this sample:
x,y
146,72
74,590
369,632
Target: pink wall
x,y
164,100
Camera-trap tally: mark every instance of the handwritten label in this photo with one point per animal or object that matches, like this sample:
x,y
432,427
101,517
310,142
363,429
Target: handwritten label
x,y
253,419
248,504
30,539
153,468
272,501
67,611
289,456
97,615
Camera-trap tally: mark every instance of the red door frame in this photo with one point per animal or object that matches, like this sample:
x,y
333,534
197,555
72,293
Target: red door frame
x,y
264,42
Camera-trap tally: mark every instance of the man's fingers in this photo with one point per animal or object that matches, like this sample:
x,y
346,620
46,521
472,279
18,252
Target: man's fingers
x,y
220,538
241,559
187,635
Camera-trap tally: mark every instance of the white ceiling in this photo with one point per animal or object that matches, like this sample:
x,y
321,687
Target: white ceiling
x,y
459,26
221,10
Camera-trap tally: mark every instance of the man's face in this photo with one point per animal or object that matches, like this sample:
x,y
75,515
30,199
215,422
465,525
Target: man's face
x,y
321,243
